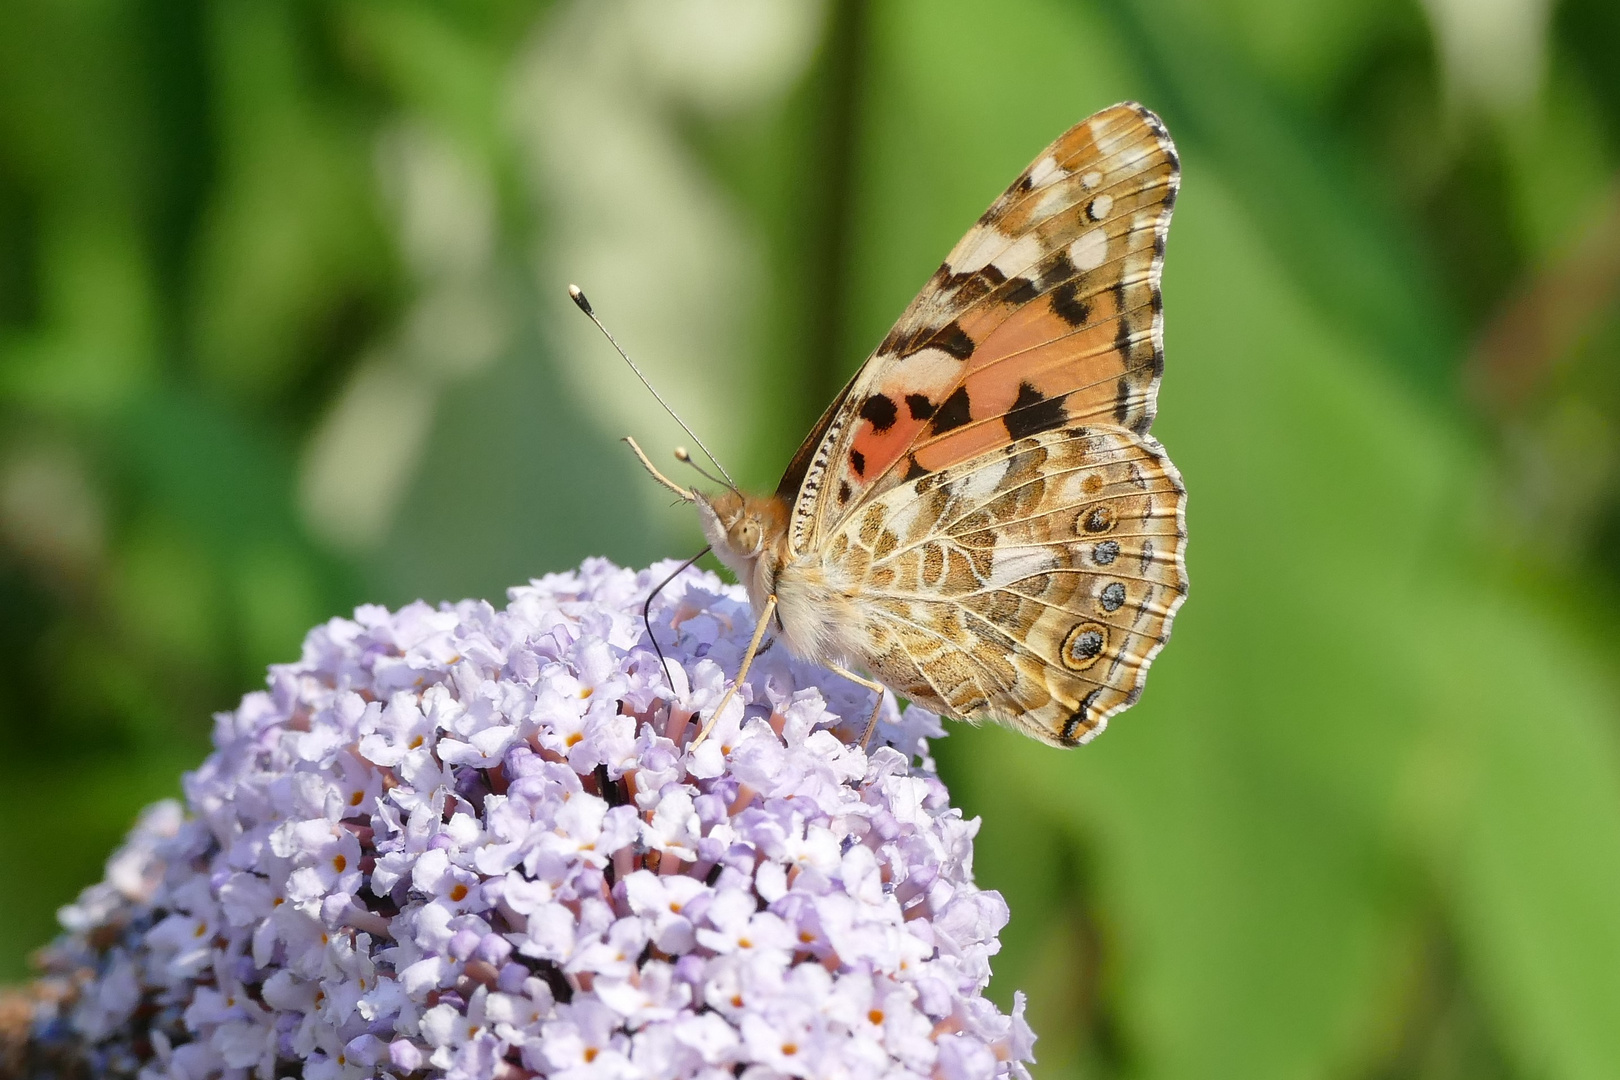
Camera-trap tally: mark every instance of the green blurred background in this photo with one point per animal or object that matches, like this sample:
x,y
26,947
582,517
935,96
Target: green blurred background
x,y
283,329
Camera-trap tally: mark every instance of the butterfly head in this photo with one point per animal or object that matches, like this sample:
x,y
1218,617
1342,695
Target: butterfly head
x,y
748,534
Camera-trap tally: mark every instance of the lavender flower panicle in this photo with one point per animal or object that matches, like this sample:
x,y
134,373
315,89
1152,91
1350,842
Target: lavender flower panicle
x,y
469,843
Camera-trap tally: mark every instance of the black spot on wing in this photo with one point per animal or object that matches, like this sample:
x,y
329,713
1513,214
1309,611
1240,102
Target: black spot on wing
x,y
1021,292
1055,269
1156,361
1087,645
1122,399
879,410
1038,280
1068,306
1100,519
913,471
919,406
1122,333
950,339
1067,736
968,286
857,461
973,290
1033,413
953,412
843,491
953,340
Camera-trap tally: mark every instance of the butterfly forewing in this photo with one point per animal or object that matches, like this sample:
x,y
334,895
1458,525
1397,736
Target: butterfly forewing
x,y
1046,314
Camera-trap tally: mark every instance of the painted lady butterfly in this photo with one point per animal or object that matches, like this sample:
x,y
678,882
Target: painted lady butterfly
x,y
980,519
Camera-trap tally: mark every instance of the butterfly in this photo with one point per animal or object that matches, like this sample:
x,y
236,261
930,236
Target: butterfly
x,y
980,519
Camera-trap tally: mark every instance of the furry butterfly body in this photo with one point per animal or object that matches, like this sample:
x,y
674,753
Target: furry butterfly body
x,y
981,519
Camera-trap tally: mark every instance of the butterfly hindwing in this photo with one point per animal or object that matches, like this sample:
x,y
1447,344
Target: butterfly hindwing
x,y
1045,315
1032,585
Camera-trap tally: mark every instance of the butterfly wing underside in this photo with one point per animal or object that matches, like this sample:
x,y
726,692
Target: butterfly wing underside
x,y
961,482
1032,585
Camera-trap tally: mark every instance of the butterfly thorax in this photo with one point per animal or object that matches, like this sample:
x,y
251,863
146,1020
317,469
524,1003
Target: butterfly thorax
x,y
749,534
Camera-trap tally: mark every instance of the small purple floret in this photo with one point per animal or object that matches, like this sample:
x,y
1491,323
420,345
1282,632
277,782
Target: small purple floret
x,y
469,843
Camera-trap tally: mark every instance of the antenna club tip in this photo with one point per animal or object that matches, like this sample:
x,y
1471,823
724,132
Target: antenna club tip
x,y
577,295
681,454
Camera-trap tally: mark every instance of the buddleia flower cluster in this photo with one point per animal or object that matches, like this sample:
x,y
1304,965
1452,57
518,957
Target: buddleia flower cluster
x,y
479,845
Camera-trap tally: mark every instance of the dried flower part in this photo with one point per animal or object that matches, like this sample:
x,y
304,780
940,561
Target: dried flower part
x,y
470,843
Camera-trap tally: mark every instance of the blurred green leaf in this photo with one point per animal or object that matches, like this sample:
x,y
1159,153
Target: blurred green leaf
x,y
291,251
1529,855
1298,182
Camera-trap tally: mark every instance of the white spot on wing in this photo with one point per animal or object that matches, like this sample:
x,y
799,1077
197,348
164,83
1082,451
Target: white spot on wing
x,y
1045,171
1088,252
1106,134
1134,156
1012,564
928,371
1071,490
1100,206
976,249
1091,180
1053,198
902,520
980,484
1021,256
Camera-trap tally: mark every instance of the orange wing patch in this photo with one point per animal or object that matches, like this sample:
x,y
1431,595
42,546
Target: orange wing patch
x,y
1046,314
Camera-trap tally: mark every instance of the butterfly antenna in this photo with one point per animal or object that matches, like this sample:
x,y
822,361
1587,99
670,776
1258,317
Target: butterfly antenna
x,y
577,294
686,459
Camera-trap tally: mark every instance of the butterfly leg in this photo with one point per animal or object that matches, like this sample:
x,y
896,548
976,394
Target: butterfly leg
x,y
876,687
742,671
